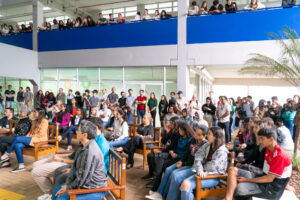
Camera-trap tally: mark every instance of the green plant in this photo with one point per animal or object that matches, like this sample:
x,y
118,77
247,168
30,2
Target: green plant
x,y
296,163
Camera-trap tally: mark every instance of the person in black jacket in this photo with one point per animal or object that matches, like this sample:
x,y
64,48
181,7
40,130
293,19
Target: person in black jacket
x,y
209,111
22,129
230,6
163,109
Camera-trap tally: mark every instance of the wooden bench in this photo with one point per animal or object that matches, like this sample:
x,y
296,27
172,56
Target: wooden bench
x,y
44,147
220,189
116,182
144,151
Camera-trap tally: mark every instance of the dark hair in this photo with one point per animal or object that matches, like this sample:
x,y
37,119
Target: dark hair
x,y
95,91
203,128
194,3
130,90
220,140
268,132
246,134
79,20
184,110
161,14
41,116
216,2
89,128
88,91
138,13
146,9
165,101
11,110
98,122
172,93
121,112
184,126
261,103
268,121
292,103
122,93
141,90
274,98
279,123
233,101
175,121
172,106
21,88
77,93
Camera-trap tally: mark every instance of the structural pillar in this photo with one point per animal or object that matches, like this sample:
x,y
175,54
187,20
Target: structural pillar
x,y
37,17
182,60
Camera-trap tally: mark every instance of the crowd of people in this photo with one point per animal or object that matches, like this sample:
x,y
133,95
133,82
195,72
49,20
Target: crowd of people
x,y
196,139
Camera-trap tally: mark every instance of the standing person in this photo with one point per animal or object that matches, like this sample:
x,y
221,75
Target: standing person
x,y
232,114
261,110
130,101
78,99
103,97
163,109
1,101
141,105
112,98
86,106
181,102
94,100
122,100
193,106
28,98
61,96
152,106
172,100
275,109
20,100
70,96
209,111
289,115
223,114
38,98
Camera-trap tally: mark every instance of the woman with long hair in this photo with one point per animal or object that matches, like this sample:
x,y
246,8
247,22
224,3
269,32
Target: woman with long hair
x,y
261,110
254,5
90,21
38,97
203,9
62,118
156,15
152,106
37,133
120,135
209,111
163,109
78,22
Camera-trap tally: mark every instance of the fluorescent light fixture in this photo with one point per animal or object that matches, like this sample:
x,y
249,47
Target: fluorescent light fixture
x,y
46,8
1,15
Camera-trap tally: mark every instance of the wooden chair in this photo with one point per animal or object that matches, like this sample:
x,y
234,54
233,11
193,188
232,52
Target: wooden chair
x,y
220,189
144,151
44,147
136,118
116,182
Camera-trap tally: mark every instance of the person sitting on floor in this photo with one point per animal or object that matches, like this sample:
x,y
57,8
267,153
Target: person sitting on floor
x,y
62,118
38,133
88,169
5,121
145,132
185,117
69,131
199,119
277,171
22,129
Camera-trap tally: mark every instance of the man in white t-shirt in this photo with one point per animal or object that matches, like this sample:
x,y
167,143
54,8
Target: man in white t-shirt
x,y
223,114
194,10
181,102
104,114
103,97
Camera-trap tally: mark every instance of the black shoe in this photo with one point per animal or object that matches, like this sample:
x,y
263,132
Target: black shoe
x,y
150,185
4,166
4,160
148,177
18,169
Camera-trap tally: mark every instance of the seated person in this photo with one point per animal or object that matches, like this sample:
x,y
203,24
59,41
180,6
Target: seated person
x,y
104,114
171,113
120,134
145,132
199,119
22,129
185,117
5,121
69,131
94,112
230,6
194,9
211,158
284,138
88,169
62,118
254,5
277,171
170,185
242,139
37,133
216,7
72,108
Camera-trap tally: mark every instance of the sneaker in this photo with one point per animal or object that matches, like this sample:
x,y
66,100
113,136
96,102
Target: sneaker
x,y
59,138
151,192
18,170
148,177
45,197
154,196
4,160
69,148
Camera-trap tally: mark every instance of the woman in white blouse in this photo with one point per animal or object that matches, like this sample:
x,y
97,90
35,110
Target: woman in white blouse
x,y
120,135
254,5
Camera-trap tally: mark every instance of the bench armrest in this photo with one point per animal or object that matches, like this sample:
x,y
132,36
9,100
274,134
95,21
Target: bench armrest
x,y
96,190
212,176
44,142
151,142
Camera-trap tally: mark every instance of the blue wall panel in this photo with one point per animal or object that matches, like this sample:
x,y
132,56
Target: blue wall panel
x,y
148,33
23,40
244,26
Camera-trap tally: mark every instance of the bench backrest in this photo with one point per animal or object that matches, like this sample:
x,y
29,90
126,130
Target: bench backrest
x,y
13,124
157,135
53,132
231,157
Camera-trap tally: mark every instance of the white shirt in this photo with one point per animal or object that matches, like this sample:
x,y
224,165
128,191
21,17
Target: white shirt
x,y
259,6
156,17
194,11
137,18
107,112
285,139
146,17
103,98
181,103
54,26
222,109
192,110
121,130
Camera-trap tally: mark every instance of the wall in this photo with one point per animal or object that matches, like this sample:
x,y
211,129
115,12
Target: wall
x,y
23,40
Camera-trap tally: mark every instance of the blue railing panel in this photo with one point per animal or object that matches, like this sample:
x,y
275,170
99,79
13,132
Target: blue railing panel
x,y
23,40
148,33
241,26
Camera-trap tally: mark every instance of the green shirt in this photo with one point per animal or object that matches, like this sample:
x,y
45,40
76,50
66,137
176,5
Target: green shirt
x,y
152,103
232,110
102,20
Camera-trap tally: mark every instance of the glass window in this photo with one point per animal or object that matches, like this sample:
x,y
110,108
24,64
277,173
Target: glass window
x,y
87,85
109,84
66,85
106,12
168,10
171,73
128,14
50,86
175,9
111,73
144,74
129,9
116,15
170,87
67,74
175,3
151,11
106,16
119,10
48,74
151,6
25,83
88,74
165,5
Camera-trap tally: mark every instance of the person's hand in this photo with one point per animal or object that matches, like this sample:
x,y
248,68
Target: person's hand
x,y
61,191
243,146
201,174
57,158
241,179
68,170
238,165
179,164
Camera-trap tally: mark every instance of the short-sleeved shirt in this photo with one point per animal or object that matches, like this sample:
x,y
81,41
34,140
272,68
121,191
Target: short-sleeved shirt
x,y
94,101
10,92
102,20
20,97
85,103
168,117
181,103
1,99
122,102
223,108
146,130
112,97
103,98
107,112
130,100
141,107
5,123
194,11
213,8
28,95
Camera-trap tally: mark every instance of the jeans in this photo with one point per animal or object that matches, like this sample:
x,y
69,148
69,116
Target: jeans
x,y
4,142
65,196
69,131
153,115
170,185
18,144
9,104
118,142
290,126
106,124
225,127
130,118
140,113
232,123
205,183
1,109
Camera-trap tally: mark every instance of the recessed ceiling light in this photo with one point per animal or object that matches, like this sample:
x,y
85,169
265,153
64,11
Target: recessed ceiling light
x,y
46,8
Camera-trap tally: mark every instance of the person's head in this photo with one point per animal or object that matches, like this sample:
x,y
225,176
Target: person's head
x,y
54,21
40,92
245,128
9,112
163,14
198,115
79,112
39,114
252,120
113,90
47,93
216,136
216,3
268,122
61,90
79,20
70,91
98,123
147,119
253,2
104,105
184,112
111,17
152,95
291,105
146,12
208,100
163,98
123,94
86,131
229,2
27,89
156,13
204,5
61,23
89,19
94,111
180,94
69,21
24,112
279,123
20,89
142,92
100,15
171,109
267,137
0,88
185,130
274,100
103,91
174,122
95,93
200,132
63,108
9,87
130,92
120,16
73,101
120,114
87,92
172,94
223,99
77,93
262,103
232,101
296,98
59,103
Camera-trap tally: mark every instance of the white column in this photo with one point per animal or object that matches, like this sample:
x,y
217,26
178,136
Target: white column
x,y
37,17
182,70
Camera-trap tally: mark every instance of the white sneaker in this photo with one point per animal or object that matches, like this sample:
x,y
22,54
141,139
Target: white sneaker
x,y
45,197
69,148
59,138
154,196
150,192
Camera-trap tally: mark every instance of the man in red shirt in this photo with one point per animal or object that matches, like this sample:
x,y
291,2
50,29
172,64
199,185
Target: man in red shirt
x,y
277,171
141,104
